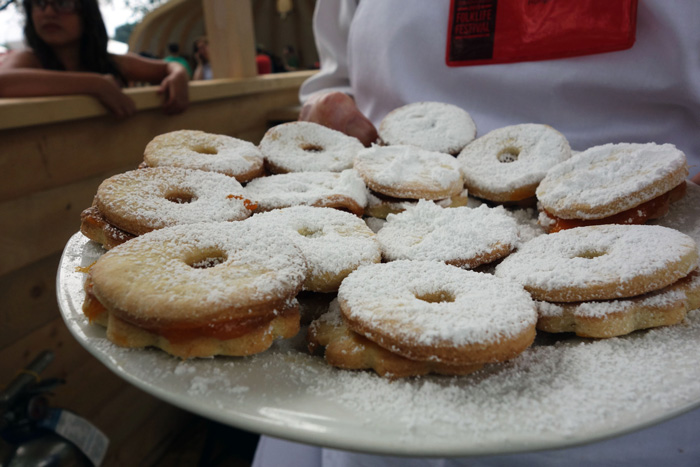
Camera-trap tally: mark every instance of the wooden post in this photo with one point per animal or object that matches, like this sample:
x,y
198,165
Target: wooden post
x,y
229,28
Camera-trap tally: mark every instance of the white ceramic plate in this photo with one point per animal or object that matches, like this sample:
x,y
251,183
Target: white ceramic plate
x,y
559,393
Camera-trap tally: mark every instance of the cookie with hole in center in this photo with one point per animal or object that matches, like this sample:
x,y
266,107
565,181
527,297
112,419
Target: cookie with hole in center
x,y
601,262
193,149
625,183
433,126
198,290
334,242
464,237
139,201
507,164
308,147
432,311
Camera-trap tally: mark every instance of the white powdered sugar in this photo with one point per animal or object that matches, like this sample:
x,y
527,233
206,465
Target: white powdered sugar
x,y
429,232
476,307
198,270
332,241
409,172
308,147
512,157
142,200
433,126
611,178
306,188
205,151
571,387
595,255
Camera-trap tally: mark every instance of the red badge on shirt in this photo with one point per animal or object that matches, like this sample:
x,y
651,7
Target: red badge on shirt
x,y
482,32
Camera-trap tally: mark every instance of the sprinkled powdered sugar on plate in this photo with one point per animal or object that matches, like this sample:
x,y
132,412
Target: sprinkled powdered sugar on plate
x,y
558,393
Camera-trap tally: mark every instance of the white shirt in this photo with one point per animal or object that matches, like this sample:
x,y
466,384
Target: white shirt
x,y
392,52
387,53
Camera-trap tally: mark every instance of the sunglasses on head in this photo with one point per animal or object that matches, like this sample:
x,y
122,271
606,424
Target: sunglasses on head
x,y
60,6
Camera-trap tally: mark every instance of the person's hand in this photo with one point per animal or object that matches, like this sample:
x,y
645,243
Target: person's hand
x,y
338,111
175,90
696,179
110,94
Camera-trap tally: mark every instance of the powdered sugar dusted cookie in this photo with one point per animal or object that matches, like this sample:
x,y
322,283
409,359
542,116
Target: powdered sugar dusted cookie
x,y
614,183
139,201
601,262
334,243
381,206
431,311
348,350
433,126
341,190
199,289
192,149
409,172
611,318
308,147
507,164
466,237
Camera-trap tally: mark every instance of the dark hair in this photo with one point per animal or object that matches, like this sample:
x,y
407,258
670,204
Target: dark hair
x,y
173,47
93,42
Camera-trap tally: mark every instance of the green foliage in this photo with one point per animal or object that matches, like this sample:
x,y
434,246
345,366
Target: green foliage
x,y
123,32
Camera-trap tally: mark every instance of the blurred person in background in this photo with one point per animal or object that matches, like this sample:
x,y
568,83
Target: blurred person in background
x,y
174,56
201,56
67,54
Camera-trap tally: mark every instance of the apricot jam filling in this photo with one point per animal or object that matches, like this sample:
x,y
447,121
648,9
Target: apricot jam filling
x,y
652,209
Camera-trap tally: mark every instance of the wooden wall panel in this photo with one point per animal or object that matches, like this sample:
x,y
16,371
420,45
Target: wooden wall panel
x,y
28,299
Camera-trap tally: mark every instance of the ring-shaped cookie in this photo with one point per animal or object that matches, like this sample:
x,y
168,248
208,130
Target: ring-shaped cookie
x,y
507,164
196,275
601,262
465,237
308,147
431,311
608,179
340,190
334,242
433,126
409,172
193,149
143,200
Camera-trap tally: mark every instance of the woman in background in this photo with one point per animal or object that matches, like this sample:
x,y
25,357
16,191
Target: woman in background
x,y
68,55
201,56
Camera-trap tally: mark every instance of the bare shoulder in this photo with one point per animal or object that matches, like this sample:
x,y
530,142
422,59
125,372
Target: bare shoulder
x,y
20,59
